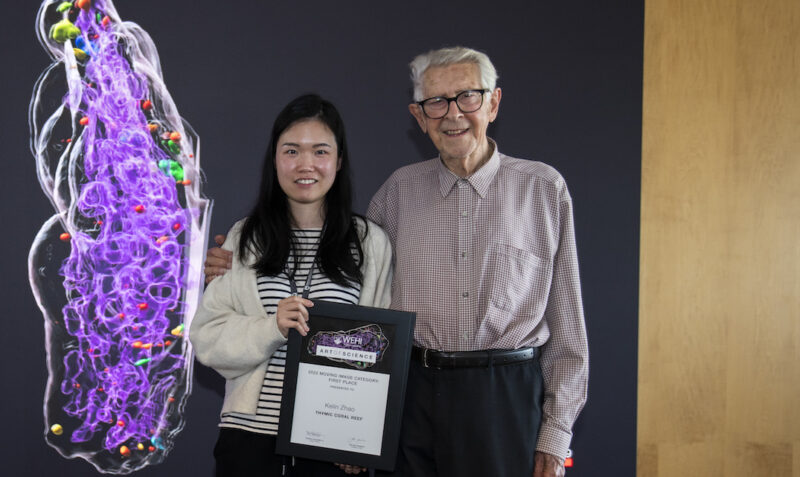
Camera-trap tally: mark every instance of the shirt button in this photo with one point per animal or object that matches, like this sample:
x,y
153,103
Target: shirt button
x,y
463,254
465,294
465,335
464,213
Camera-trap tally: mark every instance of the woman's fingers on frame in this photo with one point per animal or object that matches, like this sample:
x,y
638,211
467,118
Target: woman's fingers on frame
x,y
303,321
298,322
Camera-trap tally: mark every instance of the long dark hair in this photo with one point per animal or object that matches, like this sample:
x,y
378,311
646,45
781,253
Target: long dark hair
x,y
267,230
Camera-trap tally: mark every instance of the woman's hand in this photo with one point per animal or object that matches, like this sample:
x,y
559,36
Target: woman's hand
x,y
293,313
351,469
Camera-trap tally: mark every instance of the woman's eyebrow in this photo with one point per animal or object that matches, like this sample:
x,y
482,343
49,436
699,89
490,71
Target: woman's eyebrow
x,y
294,144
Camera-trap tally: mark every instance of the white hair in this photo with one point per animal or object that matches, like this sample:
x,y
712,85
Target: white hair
x,y
451,56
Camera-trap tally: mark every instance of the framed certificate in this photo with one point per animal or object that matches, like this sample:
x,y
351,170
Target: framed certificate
x,y
345,385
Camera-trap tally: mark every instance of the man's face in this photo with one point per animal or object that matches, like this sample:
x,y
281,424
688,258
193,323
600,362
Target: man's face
x,y
457,136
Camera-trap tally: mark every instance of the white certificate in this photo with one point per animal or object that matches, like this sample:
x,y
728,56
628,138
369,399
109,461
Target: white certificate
x,y
344,385
340,408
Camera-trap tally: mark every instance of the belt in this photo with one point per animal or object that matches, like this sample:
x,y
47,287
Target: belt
x,y
430,358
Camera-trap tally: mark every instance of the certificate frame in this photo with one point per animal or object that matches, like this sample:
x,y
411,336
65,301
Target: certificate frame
x,y
328,319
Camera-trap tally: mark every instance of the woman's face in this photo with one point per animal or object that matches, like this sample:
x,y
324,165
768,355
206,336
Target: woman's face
x,y
306,159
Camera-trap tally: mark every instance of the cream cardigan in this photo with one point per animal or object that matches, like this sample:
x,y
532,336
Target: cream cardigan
x,y
232,333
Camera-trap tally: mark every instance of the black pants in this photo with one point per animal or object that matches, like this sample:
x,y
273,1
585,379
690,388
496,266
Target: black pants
x,y
241,453
471,421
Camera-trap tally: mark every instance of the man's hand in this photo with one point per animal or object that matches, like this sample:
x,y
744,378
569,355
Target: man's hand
x,y
218,260
547,465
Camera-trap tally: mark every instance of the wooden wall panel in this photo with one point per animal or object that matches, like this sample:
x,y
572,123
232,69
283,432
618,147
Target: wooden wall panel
x,y
719,344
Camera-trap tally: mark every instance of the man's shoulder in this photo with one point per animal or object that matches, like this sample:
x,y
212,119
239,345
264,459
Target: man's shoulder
x,y
420,176
414,171
526,169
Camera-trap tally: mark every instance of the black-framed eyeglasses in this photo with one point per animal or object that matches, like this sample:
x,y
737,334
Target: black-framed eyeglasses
x,y
467,101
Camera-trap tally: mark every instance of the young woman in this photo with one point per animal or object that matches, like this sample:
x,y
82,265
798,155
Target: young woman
x,y
300,243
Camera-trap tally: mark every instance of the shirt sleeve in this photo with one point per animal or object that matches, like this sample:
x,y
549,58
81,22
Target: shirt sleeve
x,y
225,335
383,208
565,356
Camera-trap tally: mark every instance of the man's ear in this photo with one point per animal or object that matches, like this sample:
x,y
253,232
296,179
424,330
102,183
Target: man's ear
x,y
494,101
416,111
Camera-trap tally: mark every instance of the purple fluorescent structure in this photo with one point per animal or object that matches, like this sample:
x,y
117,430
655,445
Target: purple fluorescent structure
x,y
366,338
117,270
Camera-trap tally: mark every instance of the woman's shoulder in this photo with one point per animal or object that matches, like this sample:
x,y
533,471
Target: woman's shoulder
x,y
234,234
370,233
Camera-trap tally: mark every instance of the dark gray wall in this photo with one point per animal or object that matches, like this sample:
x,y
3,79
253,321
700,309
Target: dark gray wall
x,y
571,78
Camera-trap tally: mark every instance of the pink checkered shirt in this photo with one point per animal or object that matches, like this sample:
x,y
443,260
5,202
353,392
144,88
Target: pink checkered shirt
x,y
489,262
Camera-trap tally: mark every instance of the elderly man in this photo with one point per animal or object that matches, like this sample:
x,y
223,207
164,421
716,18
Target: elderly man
x,y
485,255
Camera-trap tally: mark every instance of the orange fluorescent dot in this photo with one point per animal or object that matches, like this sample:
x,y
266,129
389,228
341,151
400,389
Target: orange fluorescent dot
x,y
147,105
83,4
568,462
121,423
140,446
171,399
186,182
125,451
147,345
151,448
121,316
65,237
175,136
176,226
142,306
84,121
137,344
152,127
139,209
168,342
161,239
106,21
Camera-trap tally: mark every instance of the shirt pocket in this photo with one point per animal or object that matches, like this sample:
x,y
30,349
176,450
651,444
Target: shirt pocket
x,y
519,281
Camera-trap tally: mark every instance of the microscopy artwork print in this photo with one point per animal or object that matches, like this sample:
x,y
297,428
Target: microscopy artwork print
x,y
116,271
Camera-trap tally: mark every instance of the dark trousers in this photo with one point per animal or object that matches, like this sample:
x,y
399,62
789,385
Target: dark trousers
x,y
241,453
471,421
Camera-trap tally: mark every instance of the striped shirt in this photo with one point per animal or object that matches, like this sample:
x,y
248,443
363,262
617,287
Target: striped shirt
x,y
271,290
489,262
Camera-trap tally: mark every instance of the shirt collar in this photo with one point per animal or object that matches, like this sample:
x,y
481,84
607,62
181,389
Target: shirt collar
x,y
479,180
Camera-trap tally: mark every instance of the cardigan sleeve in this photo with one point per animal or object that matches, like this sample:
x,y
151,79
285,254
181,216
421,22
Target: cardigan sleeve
x,y
231,332
377,267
